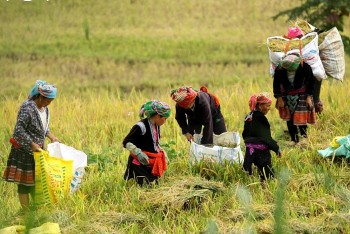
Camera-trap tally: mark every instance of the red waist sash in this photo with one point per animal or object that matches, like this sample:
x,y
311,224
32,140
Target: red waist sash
x,y
156,160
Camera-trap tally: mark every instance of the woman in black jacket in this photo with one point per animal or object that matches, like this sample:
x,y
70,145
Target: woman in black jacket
x,y
293,86
197,110
147,160
257,137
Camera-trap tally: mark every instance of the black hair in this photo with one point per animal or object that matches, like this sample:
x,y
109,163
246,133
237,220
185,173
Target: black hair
x,y
35,96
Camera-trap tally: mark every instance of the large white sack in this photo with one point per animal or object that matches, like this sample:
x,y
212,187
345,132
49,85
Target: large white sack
x,y
79,158
217,154
66,152
309,54
225,139
332,54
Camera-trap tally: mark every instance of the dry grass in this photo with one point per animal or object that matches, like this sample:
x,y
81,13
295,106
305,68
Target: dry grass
x,y
182,193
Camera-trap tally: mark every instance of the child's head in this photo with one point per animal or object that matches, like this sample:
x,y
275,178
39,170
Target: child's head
x,y
260,102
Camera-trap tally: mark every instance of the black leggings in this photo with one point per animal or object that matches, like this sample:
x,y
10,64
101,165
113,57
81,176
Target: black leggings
x,y
140,173
262,160
23,189
293,130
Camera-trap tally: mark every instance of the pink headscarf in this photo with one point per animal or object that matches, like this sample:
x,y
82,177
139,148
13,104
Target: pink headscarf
x,y
184,96
294,32
258,98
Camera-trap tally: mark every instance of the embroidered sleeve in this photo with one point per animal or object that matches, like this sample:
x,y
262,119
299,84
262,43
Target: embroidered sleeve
x,y
23,123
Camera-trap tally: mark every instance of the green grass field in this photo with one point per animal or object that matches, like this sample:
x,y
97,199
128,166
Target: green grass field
x,y
108,58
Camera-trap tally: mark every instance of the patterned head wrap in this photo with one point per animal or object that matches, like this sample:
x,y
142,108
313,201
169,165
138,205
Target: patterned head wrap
x,y
43,88
291,62
184,96
151,108
259,98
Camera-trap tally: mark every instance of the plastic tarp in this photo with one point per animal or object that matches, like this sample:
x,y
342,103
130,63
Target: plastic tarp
x,y
340,146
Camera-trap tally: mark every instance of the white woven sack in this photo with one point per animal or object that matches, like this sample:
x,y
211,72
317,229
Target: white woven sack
x,y
275,57
332,54
310,55
227,139
217,154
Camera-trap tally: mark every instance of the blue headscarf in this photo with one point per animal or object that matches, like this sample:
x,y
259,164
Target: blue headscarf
x,y
43,88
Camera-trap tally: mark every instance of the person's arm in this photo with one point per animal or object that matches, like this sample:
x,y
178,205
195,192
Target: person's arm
x,y
132,136
52,137
129,143
309,79
206,117
277,82
310,84
20,135
262,130
181,119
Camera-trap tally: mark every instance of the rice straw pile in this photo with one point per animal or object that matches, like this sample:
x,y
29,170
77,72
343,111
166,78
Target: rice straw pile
x,y
257,212
182,193
104,222
303,24
115,218
279,45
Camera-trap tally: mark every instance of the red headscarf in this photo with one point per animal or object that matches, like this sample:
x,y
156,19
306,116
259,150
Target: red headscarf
x,y
184,96
258,98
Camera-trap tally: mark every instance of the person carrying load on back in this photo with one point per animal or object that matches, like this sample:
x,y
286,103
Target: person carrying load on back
x,y
197,111
147,160
296,32
293,86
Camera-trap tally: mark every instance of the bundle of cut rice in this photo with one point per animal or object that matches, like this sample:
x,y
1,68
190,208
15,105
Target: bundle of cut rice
x,y
276,44
182,193
303,25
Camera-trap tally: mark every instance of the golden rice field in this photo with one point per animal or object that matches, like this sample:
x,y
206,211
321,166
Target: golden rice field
x,y
108,58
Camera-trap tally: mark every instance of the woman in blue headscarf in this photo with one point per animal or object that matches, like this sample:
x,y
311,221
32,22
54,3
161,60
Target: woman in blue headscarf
x,y
31,128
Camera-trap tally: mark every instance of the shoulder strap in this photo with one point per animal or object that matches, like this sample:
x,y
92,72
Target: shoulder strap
x,y
142,126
